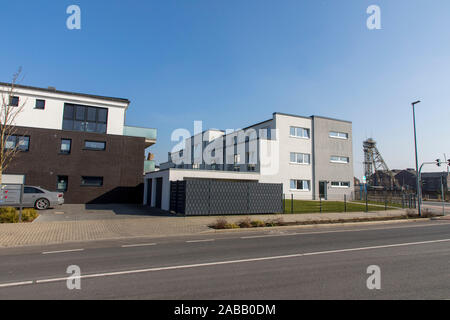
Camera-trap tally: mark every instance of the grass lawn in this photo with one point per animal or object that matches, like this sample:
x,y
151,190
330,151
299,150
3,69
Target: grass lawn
x,y
306,206
381,203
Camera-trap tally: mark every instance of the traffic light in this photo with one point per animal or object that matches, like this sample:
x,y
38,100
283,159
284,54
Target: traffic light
x,y
448,162
438,162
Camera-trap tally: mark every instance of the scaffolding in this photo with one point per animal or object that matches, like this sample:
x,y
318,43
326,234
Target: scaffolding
x,y
374,166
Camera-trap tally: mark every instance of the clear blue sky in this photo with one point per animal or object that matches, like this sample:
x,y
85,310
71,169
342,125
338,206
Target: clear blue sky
x,y
231,63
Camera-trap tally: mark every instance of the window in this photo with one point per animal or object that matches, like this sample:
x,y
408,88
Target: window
x,y
40,104
62,183
303,185
267,133
340,184
338,135
22,143
302,158
299,132
84,118
95,145
66,146
92,181
338,159
32,190
14,101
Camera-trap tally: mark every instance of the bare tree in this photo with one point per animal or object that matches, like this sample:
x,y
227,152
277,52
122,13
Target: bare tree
x,y
9,110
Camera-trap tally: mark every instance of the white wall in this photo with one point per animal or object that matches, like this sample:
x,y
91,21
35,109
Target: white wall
x,y
52,116
287,144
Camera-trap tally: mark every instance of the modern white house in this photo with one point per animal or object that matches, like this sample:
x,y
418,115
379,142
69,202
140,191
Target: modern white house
x,y
311,156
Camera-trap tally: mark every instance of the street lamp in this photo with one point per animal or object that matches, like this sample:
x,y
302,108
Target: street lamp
x,y
417,161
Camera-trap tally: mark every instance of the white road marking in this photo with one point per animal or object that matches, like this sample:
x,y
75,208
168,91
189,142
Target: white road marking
x,y
205,240
62,251
15,284
190,266
138,245
335,231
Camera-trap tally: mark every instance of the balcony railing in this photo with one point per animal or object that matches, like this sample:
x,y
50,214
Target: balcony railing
x,y
149,134
149,166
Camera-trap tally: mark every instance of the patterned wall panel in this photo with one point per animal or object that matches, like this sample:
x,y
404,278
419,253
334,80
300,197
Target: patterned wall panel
x,y
214,197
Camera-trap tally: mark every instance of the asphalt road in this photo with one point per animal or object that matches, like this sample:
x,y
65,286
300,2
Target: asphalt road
x,y
298,263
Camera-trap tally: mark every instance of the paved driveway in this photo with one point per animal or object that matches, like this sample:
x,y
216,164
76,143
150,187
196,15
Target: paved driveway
x,y
81,212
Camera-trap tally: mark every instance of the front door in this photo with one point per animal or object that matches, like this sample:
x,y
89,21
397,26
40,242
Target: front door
x,y
158,199
149,191
323,189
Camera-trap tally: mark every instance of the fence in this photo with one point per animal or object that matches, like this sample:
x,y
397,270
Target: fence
x,y
292,205
213,197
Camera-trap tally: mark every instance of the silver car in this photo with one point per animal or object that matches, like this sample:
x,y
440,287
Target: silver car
x,y
36,197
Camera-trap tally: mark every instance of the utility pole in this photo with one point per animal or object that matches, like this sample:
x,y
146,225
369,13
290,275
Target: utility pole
x,y
443,195
417,160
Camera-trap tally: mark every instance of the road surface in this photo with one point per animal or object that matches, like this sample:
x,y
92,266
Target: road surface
x,y
327,262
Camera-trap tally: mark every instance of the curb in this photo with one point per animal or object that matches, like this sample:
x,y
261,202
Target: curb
x,y
317,225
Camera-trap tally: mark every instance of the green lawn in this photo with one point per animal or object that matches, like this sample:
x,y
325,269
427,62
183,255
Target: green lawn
x,y
305,206
381,203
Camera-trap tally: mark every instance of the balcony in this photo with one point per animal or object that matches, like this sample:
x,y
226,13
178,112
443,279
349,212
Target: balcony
x,y
149,166
148,133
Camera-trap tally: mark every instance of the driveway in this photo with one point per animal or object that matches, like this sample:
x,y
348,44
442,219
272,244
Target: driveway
x,y
81,212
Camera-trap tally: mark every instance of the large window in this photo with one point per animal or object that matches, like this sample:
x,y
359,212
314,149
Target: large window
x,y
299,132
92,181
301,158
21,143
84,118
339,159
340,184
95,145
338,135
303,185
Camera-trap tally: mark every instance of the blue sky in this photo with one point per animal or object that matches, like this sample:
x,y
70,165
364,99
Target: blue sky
x,y
233,63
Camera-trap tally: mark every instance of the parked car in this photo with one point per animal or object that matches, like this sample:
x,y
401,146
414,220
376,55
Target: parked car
x,y
36,197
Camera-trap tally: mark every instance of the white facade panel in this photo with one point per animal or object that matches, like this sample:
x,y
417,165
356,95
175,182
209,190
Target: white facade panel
x,y
51,117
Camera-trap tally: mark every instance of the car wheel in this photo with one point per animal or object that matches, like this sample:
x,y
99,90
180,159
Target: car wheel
x,y
42,204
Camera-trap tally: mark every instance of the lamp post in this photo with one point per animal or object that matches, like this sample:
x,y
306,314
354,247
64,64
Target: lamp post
x,y
417,160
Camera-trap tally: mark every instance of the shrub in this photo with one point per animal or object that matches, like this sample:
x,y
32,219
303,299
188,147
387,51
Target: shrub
x,y
279,221
410,213
220,224
275,222
9,215
258,223
427,213
245,223
29,215
231,226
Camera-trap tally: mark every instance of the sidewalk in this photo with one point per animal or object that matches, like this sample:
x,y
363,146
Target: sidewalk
x,y
44,233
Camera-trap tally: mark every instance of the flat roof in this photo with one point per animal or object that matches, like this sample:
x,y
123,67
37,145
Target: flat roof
x,y
52,90
311,117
